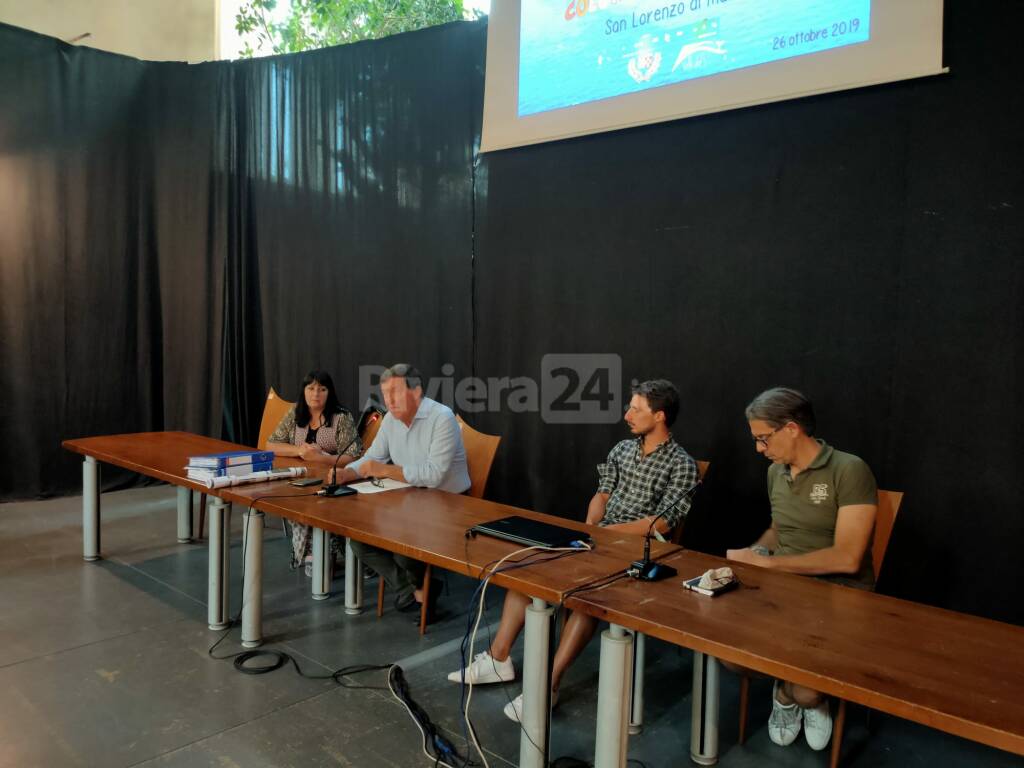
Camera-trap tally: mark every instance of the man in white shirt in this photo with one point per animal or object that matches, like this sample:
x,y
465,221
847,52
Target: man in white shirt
x,y
419,442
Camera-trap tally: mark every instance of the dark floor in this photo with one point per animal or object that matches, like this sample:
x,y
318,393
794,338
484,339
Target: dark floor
x,y
106,664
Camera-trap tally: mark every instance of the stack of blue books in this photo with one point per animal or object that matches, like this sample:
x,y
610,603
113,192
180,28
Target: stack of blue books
x,y
231,464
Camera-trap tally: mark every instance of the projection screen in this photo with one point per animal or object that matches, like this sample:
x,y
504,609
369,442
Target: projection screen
x,y
562,68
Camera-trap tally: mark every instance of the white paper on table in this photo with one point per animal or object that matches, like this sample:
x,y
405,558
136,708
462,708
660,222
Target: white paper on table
x,y
386,484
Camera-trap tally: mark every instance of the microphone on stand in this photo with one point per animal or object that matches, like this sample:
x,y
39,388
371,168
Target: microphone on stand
x,y
645,569
336,488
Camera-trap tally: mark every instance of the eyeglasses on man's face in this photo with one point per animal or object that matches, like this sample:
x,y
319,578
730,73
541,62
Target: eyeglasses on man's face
x,y
762,440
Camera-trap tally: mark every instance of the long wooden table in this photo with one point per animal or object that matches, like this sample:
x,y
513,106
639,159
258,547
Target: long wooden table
x,y
424,524
950,671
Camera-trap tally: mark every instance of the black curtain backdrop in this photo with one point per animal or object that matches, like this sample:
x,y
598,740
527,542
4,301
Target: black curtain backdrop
x,y
110,285
174,239
357,210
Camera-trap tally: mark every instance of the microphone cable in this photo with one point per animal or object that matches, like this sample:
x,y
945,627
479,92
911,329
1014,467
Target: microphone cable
x,y
436,746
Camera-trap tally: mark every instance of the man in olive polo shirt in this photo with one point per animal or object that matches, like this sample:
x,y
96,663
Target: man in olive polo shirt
x,y
823,513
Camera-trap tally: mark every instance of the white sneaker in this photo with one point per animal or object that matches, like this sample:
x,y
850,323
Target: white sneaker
x,y
818,726
514,709
485,669
784,722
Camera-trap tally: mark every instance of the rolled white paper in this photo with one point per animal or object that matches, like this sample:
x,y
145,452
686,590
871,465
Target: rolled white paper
x,y
255,477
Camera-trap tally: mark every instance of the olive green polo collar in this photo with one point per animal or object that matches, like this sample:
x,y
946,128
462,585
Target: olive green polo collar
x,y
823,457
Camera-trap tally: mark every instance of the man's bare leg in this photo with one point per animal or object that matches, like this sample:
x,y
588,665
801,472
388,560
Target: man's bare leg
x,y
513,619
788,693
805,698
579,630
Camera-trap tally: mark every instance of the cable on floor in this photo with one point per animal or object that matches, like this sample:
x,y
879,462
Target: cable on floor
x,y
435,745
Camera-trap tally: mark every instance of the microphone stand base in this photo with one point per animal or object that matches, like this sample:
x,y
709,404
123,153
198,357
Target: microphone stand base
x,y
338,490
648,570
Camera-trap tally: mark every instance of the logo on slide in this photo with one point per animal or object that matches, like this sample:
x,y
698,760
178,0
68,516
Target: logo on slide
x,y
705,29
690,49
578,8
643,66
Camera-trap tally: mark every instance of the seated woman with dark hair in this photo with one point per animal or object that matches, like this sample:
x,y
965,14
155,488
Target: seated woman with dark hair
x,y
316,430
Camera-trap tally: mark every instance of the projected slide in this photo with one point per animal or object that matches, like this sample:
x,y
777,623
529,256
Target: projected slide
x,y
573,52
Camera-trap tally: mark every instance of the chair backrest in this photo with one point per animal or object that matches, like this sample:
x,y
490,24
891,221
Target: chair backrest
x,y
273,411
370,427
702,470
480,450
888,507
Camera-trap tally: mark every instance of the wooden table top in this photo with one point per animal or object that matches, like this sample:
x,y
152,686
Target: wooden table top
x,y
957,673
430,525
426,524
161,455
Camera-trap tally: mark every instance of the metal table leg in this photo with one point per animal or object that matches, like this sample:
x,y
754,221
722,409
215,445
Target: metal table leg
x,y
252,585
220,563
184,515
323,564
636,706
613,693
704,720
533,739
353,581
90,509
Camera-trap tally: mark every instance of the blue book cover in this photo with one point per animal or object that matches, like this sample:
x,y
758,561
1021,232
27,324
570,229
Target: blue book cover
x,y
235,470
217,460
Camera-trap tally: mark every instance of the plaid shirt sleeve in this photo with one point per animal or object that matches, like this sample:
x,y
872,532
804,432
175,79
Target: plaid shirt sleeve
x,y
608,473
683,479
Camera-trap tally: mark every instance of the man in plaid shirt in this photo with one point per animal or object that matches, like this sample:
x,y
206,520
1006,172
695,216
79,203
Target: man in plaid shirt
x,y
648,480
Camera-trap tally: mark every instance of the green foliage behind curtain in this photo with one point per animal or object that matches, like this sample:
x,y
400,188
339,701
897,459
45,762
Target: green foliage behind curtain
x,y
321,23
